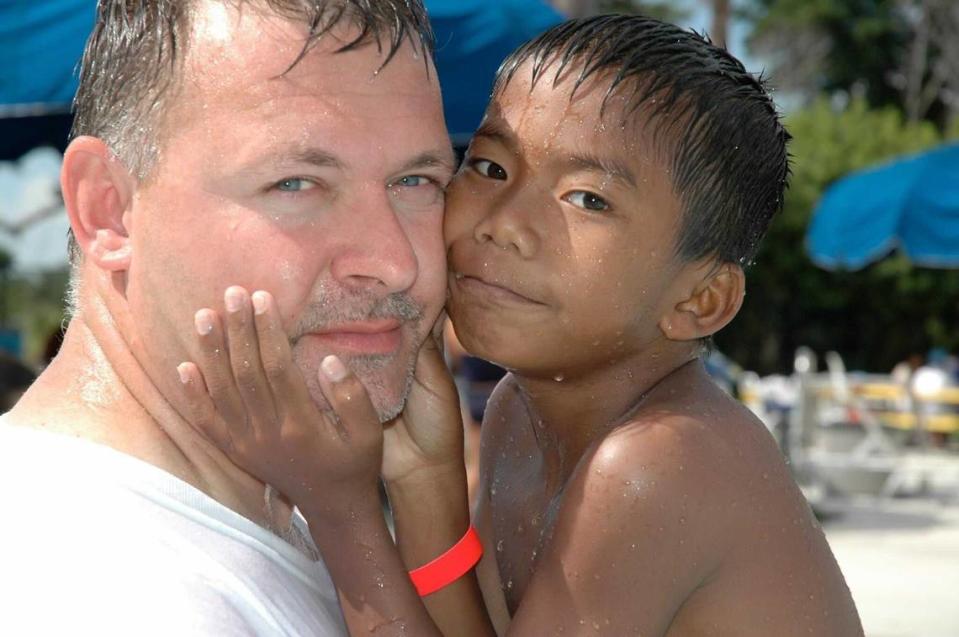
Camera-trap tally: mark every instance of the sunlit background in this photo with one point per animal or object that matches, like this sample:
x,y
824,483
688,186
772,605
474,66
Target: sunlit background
x,y
846,346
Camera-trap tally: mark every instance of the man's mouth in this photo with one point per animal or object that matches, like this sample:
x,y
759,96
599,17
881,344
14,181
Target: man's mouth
x,y
372,337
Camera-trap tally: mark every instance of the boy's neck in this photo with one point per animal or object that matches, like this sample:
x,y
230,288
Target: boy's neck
x,y
569,414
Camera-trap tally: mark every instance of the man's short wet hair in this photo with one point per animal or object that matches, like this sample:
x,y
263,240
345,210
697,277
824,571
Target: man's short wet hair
x,y
132,57
718,128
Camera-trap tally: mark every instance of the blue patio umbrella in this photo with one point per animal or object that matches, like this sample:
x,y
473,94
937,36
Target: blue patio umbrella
x,y
41,44
911,204
472,38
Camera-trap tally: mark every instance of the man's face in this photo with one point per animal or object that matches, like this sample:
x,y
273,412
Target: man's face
x,y
561,231
323,186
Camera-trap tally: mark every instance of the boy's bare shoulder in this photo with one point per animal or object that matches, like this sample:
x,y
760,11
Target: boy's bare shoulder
x,y
699,461
685,432
693,500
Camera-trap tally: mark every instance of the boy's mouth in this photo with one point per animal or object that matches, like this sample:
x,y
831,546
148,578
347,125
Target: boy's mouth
x,y
491,289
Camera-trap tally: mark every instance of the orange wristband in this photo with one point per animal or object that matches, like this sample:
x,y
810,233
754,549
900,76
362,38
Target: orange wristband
x,y
450,566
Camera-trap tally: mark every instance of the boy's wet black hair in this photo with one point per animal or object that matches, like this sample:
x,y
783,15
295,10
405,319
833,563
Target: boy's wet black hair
x,y
723,137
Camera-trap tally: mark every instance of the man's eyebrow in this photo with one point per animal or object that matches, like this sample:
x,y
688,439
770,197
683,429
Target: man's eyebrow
x,y
430,159
606,165
315,156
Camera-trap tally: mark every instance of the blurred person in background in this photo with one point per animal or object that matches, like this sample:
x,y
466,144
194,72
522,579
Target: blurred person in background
x,y
15,378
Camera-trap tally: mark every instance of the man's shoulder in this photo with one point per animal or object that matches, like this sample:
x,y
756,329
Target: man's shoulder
x,y
115,541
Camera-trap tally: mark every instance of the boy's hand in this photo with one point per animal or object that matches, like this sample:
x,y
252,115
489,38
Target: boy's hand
x,y
248,396
427,437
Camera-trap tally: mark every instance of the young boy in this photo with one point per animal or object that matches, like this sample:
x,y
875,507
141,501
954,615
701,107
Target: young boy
x,y
623,177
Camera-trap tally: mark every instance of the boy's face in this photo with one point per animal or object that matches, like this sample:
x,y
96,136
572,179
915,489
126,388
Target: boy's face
x,y
560,231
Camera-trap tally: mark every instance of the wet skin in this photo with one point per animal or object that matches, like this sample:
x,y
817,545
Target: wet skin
x,y
621,491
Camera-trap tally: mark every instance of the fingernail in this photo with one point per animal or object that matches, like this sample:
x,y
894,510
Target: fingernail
x,y
233,299
333,368
181,370
259,302
203,322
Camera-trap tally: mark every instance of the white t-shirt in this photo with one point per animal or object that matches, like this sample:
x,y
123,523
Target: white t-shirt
x,y
95,542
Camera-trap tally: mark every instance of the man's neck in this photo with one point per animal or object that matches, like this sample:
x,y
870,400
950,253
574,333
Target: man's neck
x,y
96,389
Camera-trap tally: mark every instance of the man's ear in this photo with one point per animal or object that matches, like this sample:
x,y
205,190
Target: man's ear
x,y
714,300
97,192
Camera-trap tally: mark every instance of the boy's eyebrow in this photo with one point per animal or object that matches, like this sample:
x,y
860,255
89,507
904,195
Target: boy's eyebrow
x,y
497,132
585,160
606,165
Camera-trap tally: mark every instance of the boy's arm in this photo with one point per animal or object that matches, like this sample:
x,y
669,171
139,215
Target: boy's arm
x,y
431,514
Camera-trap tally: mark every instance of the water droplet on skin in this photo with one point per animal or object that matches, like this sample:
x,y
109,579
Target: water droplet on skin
x,y
559,378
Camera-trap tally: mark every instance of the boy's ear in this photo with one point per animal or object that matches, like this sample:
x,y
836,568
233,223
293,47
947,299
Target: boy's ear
x,y
712,303
97,192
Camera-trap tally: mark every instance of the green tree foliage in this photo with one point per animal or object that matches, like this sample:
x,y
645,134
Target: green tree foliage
x,y
661,9
36,308
874,317
827,45
891,52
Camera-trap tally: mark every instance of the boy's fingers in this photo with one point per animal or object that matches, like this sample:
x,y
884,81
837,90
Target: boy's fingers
x,y
248,373
215,367
200,408
282,375
351,402
431,370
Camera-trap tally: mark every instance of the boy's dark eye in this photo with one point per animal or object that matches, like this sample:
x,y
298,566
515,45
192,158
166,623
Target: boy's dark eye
x,y
489,169
587,201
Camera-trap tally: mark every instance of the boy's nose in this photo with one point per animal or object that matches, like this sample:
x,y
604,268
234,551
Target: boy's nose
x,y
377,252
507,225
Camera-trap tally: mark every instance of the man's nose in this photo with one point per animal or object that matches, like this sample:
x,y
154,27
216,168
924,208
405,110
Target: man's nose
x,y
377,253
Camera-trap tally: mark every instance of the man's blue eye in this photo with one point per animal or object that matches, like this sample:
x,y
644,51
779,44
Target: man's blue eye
x,y
417,191
411,181
294,184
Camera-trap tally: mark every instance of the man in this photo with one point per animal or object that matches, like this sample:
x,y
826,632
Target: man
x,y
292,146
